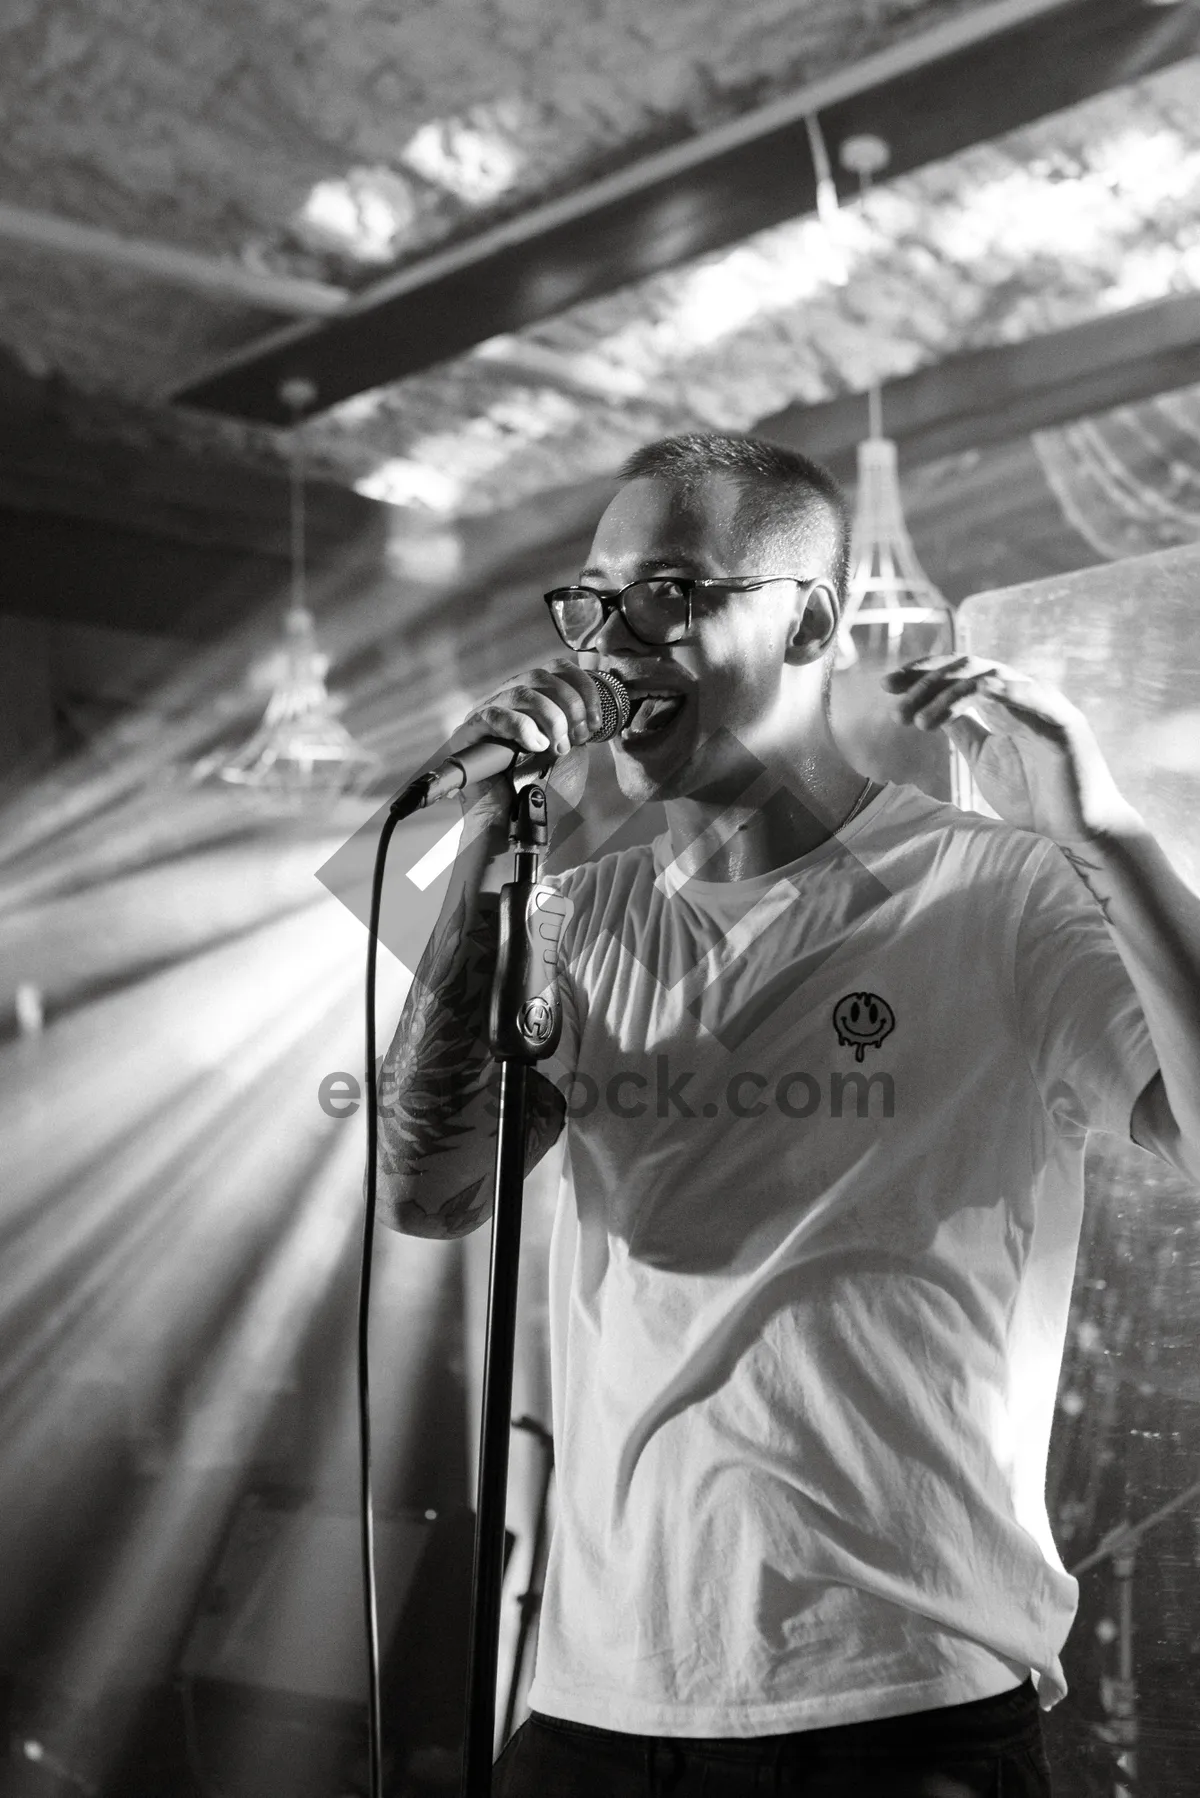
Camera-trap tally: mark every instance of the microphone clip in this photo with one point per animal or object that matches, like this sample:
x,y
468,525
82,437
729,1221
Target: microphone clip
x,y
529,826
525,1014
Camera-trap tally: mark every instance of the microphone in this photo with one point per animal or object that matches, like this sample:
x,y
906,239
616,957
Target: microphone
x,y
492,756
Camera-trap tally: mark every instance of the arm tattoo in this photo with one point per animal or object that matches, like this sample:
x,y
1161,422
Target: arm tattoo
x,y
545,1115
457,1217
1083,868
439,1059
439,1062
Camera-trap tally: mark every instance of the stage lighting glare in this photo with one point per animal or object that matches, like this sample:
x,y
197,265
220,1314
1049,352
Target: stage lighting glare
x,y
424,553
366,214
407,481
474,156
1075,213
132,1625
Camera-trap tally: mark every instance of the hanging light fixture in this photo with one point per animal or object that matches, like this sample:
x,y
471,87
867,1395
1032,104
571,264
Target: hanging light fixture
x,y
887,591
301,757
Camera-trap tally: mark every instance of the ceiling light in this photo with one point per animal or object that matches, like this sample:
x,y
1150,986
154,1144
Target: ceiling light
x,y
301,755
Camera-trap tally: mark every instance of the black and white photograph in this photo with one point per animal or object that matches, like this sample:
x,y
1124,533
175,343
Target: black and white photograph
x,y
599,898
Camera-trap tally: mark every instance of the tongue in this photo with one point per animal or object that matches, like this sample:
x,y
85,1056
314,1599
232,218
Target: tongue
x,y
650,713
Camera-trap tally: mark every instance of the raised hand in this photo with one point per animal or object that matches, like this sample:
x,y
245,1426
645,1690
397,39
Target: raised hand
x,y
1033,754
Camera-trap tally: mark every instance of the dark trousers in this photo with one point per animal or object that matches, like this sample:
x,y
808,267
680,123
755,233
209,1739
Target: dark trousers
x,y
990,1748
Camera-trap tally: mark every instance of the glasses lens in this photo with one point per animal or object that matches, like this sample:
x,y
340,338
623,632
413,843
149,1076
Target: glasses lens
x,y
657,610
577,613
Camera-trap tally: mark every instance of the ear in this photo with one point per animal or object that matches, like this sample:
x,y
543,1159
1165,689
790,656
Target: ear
x,y
814,625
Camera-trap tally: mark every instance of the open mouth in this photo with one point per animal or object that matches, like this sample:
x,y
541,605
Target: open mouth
x,y
651,714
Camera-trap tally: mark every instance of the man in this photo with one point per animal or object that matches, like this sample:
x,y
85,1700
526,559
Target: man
x,y
831,1052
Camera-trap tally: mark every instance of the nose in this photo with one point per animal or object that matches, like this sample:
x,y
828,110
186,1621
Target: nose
x,y
614,638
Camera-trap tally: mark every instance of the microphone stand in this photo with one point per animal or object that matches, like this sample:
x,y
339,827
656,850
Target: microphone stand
x,y
525,1023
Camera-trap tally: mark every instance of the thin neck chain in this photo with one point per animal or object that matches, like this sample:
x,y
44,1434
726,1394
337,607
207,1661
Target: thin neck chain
x,y
858,803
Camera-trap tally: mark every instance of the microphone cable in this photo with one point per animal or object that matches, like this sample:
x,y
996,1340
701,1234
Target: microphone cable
x,y
363,1383
407,802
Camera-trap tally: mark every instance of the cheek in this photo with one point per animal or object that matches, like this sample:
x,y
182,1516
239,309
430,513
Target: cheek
x,y
742,665
734,647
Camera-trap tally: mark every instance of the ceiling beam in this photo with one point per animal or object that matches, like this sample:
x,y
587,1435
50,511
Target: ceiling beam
x,y
996,395
213,276
155,539
970,79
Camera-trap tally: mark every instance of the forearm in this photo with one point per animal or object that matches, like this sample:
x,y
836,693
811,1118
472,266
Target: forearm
x,y
437,1121
438,1082
435,1134
1155,919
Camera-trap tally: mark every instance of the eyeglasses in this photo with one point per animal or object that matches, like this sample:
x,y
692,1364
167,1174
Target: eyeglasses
x,y
656,611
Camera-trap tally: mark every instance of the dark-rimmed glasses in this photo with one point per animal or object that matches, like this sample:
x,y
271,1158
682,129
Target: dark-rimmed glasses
x,y
656,611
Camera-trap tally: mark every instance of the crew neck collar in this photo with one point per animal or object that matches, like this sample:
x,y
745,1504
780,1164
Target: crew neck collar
x,y
876,805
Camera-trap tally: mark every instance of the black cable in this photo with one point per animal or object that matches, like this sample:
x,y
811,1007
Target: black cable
x,y
366,1506
407,802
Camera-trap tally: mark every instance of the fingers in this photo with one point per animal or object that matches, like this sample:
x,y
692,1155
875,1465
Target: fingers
x,y
937,687
549,708
931,668
929,672
936,708
588,691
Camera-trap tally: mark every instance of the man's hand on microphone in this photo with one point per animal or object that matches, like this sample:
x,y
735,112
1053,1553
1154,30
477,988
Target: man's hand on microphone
x,y
548,709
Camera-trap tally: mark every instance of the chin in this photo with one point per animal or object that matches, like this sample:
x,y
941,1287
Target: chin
x,y
635,782
653,773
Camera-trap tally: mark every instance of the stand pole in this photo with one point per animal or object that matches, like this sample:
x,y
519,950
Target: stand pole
x,y
488,1574
524,1026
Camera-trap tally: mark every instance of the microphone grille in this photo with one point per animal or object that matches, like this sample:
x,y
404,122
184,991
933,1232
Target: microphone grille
x,y
615,705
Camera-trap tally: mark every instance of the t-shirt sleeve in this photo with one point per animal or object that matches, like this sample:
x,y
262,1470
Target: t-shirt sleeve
x,y
1081,1022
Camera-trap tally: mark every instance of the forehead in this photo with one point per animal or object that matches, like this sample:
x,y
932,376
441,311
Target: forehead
x,y
651,521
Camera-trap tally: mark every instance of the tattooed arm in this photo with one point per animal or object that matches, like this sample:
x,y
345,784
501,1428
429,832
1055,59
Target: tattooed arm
x,y
437,1086
438,1082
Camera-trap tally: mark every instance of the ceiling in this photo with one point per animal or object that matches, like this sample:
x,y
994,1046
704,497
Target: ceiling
x,y
1084,214
179,183
213,127
330,141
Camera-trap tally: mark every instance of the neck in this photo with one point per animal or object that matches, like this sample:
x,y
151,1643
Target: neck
x,y
735,832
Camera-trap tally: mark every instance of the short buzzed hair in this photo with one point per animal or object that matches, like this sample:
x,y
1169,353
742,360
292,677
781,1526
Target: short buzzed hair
x,y
781,492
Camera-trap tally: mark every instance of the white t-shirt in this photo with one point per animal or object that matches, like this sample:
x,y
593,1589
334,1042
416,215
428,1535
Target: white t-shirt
x,y
804,1361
